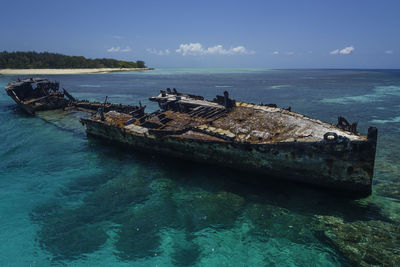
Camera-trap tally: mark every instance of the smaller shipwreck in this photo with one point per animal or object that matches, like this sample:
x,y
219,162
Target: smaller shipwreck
x,y
36,94
275,142
39,94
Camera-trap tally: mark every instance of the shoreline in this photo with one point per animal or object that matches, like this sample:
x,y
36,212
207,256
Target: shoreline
x,y
67,71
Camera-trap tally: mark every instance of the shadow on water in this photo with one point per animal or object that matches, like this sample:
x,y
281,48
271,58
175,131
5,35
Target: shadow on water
x,y
15,110
65,120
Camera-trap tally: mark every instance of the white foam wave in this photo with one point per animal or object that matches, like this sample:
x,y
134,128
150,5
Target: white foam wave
x,y
379,94
89,85
395,119
278,86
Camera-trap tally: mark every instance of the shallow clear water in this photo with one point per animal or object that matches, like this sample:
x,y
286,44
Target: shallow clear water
x,y
66,199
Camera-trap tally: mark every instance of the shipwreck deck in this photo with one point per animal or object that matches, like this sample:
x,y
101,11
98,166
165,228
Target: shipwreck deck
x,y
245,123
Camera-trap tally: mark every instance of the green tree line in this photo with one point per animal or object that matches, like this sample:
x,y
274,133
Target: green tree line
x,y
46,60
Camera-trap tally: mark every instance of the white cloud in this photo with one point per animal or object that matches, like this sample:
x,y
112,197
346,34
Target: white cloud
x,y
192,49
290,53
334,52
218,49
347,50
117,37
275,53
241,50
126,49
344,51
119,49
389,52
158,52
196,49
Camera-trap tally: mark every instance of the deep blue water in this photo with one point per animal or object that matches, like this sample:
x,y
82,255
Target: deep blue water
x,y
66,199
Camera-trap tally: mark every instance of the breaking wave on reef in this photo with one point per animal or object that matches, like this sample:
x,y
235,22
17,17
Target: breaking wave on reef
x,y
379,94
279,86
90,85
391,120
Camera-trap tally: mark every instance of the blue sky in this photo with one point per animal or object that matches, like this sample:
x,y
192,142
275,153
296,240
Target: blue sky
x,y
268,34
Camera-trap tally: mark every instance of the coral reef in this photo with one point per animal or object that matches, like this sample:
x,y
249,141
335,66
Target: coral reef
x,y
69,232
391,190
364,243
205,209
139,228
270,220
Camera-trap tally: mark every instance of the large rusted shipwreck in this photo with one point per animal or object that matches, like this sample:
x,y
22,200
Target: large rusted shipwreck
x,y
275,142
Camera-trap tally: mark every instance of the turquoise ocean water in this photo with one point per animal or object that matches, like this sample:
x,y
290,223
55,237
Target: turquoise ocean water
x,y
69,200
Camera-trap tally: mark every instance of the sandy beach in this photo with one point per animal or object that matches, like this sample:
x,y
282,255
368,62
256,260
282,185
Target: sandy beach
x,y
65,71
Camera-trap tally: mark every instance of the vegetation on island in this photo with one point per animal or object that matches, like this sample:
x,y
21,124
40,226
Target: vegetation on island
x,y
46,60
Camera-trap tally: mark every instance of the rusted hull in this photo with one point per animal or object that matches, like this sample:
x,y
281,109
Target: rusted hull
x,y
50,104
344,167
36,94
26,108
